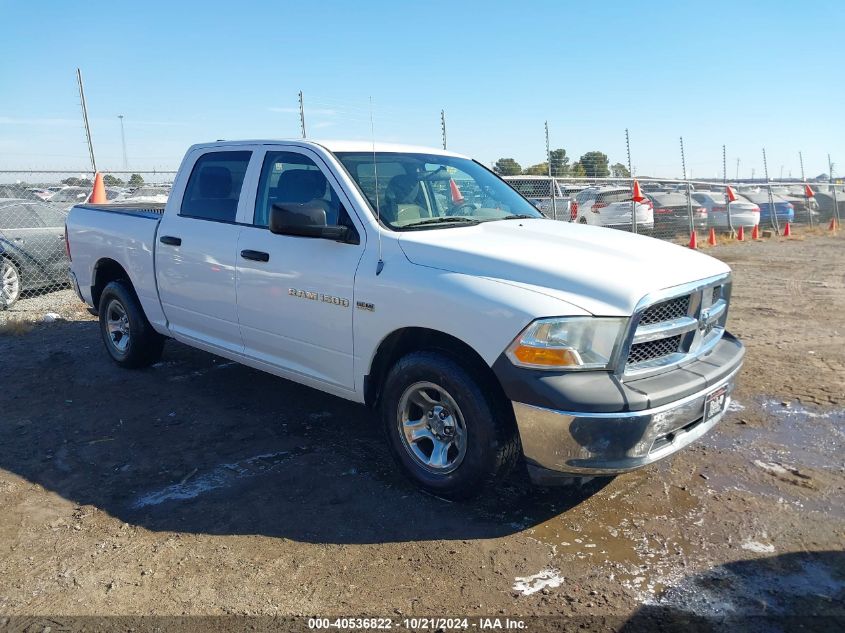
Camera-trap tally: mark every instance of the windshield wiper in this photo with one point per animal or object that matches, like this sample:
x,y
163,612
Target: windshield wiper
x,y
518,216
445,220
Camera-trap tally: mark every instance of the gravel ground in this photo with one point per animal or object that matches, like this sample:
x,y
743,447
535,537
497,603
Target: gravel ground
x,y
202,487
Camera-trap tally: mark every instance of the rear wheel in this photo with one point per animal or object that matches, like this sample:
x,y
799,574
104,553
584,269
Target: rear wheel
x,y
448,433
129,338
10,277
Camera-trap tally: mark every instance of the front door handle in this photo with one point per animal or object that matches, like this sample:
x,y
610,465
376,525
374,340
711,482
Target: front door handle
x,y
169,239
256,256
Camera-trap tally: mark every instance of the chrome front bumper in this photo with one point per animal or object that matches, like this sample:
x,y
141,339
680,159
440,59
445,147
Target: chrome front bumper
x,y
571,443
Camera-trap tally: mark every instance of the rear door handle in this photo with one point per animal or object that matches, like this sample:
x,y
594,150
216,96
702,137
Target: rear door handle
x,y
256,256
169,239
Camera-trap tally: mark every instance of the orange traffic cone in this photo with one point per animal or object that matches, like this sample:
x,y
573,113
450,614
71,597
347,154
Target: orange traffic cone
x,y
755,232
693,240
832,226
787,231
740,234
712,239
98,195
637,195
457,196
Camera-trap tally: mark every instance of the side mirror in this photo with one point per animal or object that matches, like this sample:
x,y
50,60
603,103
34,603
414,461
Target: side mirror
x,y
305,220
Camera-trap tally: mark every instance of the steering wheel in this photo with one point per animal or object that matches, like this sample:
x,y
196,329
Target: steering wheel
x,y
456,210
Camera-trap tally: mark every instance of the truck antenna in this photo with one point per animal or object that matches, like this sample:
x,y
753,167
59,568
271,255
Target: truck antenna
x,y
380,264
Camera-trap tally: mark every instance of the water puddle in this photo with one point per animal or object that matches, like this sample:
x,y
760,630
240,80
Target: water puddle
x,y
779,585
621,534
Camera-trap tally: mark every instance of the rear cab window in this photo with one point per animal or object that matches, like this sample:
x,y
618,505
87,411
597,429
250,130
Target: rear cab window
x,y
214,187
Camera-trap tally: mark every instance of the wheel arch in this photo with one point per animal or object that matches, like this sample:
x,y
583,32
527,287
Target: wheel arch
x,y
418,339
105,271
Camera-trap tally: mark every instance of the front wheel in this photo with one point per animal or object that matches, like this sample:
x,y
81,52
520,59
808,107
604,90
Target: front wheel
x,y
129,338
446,429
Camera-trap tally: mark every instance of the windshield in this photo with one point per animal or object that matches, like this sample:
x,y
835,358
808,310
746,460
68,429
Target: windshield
x,y
431,191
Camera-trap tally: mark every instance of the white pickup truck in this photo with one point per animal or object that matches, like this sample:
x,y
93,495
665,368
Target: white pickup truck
x,y
418,282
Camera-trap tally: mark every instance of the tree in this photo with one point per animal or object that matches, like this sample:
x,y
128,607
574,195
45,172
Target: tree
x,y
560,162
112,181
618,170
576,170
507,167
135,180
73,181
595,164
540,169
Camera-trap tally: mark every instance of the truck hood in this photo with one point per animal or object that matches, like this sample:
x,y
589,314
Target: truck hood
x,y
600,270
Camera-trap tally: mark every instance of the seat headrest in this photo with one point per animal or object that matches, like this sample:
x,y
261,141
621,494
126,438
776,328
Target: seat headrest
x,y
300,186
215,182
403,189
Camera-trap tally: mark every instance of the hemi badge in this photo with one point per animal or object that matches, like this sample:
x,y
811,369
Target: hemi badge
x,y
363,305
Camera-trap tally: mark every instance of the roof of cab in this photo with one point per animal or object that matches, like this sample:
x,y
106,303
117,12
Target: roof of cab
x,y
338,146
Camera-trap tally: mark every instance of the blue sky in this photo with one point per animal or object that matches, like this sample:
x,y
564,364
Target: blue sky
x,y
744,74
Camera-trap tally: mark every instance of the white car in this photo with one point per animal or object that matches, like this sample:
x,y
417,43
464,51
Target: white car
x,y
611,206
419,283
743,212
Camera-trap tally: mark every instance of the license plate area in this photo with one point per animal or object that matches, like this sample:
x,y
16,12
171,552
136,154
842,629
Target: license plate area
x,y
715,403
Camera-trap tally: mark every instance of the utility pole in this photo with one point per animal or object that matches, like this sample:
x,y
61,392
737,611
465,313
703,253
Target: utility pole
x,y
443,127
85,120
689,189
123,142
551,179
737,168
631,173
302,114
772,214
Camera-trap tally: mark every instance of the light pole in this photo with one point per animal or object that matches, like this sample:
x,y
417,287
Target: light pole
x,y
123,142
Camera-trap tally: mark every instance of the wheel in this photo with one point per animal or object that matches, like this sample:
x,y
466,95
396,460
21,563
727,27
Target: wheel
x,y
445,429
582,220
129,338
10,276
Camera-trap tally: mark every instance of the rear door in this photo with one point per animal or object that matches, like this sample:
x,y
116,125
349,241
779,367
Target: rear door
x,y
295,294
196,248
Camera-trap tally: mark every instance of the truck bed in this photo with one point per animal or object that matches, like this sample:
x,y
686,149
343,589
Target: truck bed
x,y
140,209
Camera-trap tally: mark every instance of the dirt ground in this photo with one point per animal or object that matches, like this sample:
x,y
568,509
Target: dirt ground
x,y
202,487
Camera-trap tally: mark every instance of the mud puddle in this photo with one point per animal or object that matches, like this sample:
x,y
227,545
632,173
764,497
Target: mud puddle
x,y
791,457
618,534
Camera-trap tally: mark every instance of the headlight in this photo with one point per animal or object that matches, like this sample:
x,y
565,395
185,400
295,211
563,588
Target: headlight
x,y
568,343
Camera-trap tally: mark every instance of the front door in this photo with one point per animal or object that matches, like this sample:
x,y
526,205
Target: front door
x,y
295,294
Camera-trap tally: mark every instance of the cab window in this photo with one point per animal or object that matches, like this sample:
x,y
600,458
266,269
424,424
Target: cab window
x,y
214,186
289,178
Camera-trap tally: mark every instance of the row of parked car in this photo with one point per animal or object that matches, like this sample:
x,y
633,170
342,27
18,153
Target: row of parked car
x,y
666,209
32,223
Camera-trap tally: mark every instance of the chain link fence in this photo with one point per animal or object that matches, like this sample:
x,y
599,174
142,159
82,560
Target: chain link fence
x,y
33,209
34,206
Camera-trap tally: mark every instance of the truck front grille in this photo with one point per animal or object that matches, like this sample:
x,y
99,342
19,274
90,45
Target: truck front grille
x,y
641,352
675,329
666,310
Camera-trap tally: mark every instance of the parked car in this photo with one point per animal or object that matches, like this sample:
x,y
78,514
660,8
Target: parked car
x,y
826,204
611,207
70,195
480,330
21,193
672,213
784,210
743,212
537,190
153,195
32,248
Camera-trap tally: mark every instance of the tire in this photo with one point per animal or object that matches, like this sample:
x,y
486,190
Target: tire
x,y
478,428
129,338
582,220
10,283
